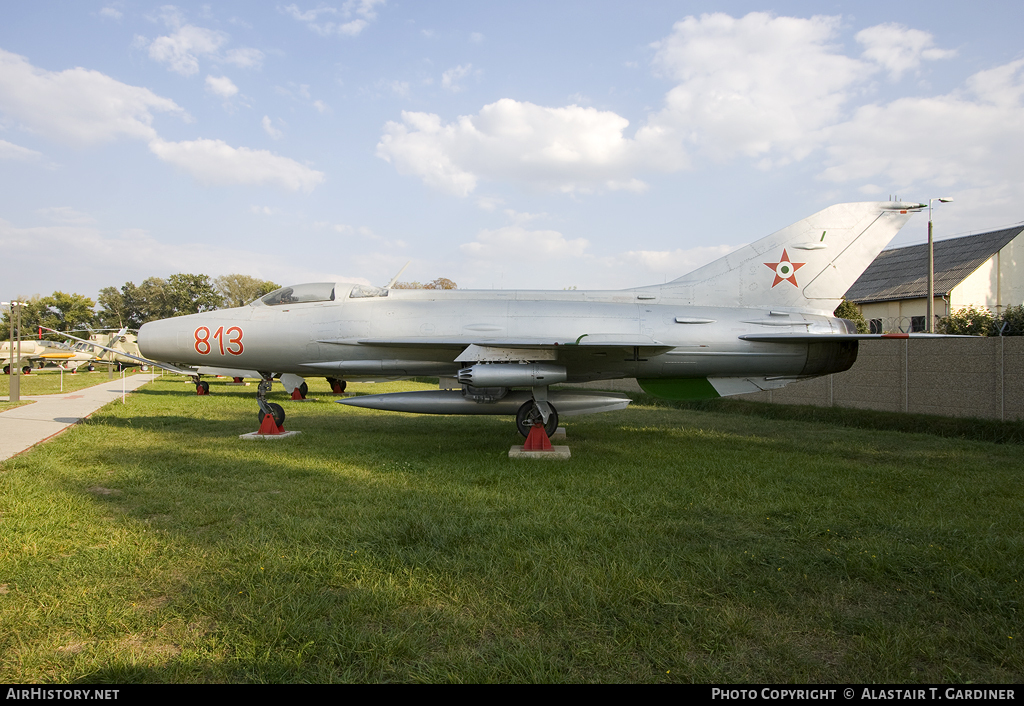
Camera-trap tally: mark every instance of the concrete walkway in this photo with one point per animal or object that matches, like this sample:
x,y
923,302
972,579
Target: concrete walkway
x,y
23,427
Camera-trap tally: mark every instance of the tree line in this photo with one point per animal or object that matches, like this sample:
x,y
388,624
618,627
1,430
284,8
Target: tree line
x,y
132,305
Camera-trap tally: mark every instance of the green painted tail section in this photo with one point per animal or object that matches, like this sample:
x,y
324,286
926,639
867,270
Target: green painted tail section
x,y
679,388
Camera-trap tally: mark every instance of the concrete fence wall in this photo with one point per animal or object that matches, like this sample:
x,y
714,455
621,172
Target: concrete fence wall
x,y
954,377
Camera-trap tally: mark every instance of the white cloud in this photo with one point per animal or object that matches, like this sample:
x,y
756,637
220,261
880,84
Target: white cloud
x,y
422,151
182,49
349,20
91,255
450,78
634,185
519,244
245,58
489,203
899,49
221,86
568,149
86,107
755,85
674,263
520,217
497,257
215,162
972,137
16,152
300,92
771,90
66,215
268,127
476,37
759,86
111,12
77,106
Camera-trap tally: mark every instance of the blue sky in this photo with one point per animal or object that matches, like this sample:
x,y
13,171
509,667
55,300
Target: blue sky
x,y
529,144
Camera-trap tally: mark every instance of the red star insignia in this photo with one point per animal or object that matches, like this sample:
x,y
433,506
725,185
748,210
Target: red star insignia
x,y
785,270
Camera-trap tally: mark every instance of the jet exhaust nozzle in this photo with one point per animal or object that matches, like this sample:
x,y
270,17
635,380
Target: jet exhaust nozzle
x,y
512,375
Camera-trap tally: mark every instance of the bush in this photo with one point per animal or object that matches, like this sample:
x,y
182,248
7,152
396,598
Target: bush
x,y
849,310
969,321
1010,322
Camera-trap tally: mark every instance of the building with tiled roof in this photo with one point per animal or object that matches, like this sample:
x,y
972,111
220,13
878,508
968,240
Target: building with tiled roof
x,y
983,270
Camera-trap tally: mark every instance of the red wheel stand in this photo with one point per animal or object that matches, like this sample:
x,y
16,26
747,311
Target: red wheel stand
x,y
537,439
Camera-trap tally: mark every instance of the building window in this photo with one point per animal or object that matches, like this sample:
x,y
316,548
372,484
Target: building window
x,y
917,324
875,326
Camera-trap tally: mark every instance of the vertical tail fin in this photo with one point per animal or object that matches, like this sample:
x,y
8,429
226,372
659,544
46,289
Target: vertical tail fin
x,y
807,265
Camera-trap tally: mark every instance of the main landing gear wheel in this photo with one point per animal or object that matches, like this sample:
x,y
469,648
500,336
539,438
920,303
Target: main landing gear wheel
x,y
202,387
277,411
337,386
528,415
7,370
26,370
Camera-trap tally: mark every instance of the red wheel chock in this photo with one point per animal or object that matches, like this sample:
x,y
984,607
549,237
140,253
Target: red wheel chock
x,y
200,390
537,439
268,427
297,394
237,379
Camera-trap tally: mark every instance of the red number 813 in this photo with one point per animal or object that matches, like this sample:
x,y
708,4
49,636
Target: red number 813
x,y
234,344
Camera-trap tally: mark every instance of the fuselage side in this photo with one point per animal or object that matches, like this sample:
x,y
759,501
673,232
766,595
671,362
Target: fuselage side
x,y
594,334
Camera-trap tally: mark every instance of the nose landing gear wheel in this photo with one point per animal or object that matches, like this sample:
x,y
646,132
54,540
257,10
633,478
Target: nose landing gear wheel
x,y
528,415
277,412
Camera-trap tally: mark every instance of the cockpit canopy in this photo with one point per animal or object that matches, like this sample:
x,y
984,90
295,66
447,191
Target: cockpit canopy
x,y
361,291
300,294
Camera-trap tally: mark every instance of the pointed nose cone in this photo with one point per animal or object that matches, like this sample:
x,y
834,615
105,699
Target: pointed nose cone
x,y
158,340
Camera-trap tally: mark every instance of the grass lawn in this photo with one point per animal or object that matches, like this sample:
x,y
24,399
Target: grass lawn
x,y
48,382
151,544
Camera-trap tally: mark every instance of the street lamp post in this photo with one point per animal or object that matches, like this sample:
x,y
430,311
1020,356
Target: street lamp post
x,y
15,359
931,267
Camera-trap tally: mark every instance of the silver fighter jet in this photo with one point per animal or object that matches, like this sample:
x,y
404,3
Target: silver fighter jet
x,y
756,319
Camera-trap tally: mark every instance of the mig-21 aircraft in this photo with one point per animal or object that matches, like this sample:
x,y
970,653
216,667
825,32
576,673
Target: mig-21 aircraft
x,y
756,319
